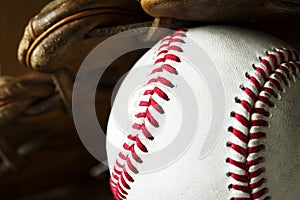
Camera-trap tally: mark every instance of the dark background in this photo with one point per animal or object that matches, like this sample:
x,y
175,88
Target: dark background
x,y
15,15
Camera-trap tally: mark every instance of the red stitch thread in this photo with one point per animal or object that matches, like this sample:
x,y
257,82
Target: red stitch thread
x,y
175,48
139,143
157,91
276,68
121,179
162,80
165,67
163,46
277,73
238,134
152,103
144,130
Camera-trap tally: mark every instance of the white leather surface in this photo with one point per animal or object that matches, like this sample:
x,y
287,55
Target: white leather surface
x,y
233,51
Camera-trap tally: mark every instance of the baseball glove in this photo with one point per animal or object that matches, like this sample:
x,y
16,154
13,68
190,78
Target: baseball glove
x,y
38,140
221,11
276,17
39,147
59,35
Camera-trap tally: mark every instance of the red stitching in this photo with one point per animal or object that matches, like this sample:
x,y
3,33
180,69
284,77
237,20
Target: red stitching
x,y
157,91
121,179
152,103
276,69
162,80
165,67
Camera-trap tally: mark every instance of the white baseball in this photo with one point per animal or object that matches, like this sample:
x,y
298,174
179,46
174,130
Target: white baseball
x,y
255,153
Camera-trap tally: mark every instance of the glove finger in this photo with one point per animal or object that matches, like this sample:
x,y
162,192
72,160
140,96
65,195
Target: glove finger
x,y
32,85
9,111
57,35
220,11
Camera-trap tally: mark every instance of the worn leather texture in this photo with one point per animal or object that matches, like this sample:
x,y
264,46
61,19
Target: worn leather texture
x,y
38,140
216,11
58,35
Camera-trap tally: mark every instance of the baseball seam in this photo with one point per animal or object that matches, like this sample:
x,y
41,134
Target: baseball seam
x,y
274,73
124,169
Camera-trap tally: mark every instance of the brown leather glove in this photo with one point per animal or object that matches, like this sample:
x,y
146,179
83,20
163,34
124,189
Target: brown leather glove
x,y
220,11
30,112
39,146
20,98
58,35
36,125
280,18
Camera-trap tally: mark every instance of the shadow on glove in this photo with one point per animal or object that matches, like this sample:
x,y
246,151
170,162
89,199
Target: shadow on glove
x,y
39,146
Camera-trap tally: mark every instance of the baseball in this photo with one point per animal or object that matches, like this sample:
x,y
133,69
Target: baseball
x,y
211,113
